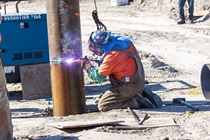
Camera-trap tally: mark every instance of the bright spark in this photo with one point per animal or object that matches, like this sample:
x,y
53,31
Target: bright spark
x,y
70,60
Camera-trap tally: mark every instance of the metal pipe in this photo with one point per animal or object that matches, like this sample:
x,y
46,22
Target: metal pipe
x,y
60,90
76,84
64,37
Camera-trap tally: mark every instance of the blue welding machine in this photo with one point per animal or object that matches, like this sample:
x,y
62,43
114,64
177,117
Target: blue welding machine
x,y
23,41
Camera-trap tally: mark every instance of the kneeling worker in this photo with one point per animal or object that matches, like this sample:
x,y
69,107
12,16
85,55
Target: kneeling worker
x,y
122,64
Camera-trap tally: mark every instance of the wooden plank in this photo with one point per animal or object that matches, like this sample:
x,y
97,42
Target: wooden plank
x,y
125,127
162,112
80,124
152,122
201,13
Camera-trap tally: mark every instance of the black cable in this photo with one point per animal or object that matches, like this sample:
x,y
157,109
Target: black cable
x,y
99,24
95,5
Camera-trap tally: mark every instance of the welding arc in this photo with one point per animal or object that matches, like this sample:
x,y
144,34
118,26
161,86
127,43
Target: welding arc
x,y
99,24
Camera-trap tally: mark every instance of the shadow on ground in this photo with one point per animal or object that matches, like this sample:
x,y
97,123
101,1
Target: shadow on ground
x,y
15,95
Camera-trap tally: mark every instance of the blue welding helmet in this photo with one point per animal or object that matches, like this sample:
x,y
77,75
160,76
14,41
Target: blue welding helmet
x,y
96,41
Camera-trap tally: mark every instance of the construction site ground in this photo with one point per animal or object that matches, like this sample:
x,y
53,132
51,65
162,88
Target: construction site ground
x,y
172,55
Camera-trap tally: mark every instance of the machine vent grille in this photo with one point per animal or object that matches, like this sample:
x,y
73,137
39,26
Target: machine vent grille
x,y
28,55
18,56
37,54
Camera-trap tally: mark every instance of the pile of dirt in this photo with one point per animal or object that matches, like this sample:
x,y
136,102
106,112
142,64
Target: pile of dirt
x,y
169,7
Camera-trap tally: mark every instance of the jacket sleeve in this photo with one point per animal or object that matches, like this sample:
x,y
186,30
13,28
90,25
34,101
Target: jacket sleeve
x,y
95,75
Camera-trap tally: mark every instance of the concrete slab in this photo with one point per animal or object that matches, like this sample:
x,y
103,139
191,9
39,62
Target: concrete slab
x,y
35,81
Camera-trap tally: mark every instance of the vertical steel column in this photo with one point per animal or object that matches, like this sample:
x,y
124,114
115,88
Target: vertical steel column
x,y
64,36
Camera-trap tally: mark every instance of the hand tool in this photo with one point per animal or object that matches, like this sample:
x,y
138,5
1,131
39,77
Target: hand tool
x,y
182,101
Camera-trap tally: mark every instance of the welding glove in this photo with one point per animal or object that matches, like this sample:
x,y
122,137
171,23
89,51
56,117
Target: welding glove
x,y
85,63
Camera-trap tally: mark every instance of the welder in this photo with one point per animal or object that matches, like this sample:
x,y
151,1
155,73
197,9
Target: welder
x,y
122,64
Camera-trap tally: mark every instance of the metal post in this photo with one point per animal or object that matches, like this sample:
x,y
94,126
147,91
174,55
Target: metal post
x,y
64,36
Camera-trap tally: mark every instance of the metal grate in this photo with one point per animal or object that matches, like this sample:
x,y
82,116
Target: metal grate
x,y
18,56
28,55
38,55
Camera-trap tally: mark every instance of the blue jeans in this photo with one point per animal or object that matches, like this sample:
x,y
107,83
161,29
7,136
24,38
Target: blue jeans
x,y
190,10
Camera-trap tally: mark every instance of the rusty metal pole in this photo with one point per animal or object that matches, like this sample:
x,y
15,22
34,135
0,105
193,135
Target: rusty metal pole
x,y
64,36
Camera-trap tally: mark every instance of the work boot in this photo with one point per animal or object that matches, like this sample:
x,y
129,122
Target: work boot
x,y
153,98
144,102
191,21
181,22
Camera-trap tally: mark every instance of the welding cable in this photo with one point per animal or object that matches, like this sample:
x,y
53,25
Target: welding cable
x,y
99,24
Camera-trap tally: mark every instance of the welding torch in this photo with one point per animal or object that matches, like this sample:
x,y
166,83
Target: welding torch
x,y
66,60
84,62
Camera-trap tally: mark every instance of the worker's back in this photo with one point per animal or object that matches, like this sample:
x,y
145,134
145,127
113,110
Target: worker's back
x,y
5,116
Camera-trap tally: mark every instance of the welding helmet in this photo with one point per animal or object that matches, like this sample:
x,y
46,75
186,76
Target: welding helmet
x,y
96,41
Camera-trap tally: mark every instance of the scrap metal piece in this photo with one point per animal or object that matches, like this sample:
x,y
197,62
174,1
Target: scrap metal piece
x,y
134,115
138,120
144,119
205,81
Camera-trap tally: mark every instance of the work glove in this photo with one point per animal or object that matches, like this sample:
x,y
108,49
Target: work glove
x,y
85,63
97,99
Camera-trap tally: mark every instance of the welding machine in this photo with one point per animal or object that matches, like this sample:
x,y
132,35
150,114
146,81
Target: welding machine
x,y
23,41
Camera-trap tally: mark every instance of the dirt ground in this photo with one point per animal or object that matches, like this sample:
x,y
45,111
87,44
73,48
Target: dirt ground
x,y
172,55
